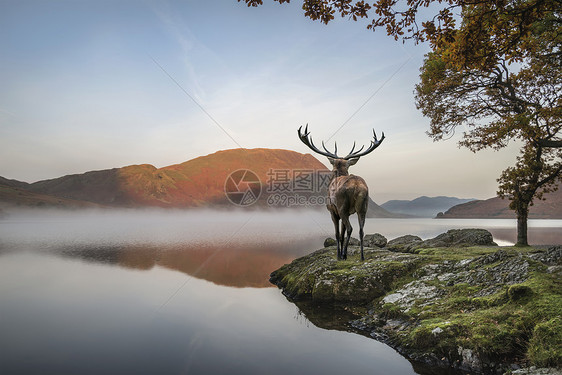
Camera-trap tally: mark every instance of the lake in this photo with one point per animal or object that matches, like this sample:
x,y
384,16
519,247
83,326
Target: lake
x,y
182,292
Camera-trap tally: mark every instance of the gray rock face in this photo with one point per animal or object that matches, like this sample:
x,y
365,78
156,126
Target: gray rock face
x,y
404,244
537,371
329,242
552,257
453,238
370,240
375,240
332,242
461,237
414,292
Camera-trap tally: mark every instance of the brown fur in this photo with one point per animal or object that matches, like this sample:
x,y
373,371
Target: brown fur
x,y
347,194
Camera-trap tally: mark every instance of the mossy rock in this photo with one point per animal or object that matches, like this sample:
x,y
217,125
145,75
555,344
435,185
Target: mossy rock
x,y
375,240
404,244
478,308
329,242
320,277
460,238
518,292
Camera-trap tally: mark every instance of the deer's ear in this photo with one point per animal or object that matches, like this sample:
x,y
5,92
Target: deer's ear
x,y
332,160
352,161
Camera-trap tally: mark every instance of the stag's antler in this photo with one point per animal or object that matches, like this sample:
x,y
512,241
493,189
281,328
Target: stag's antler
x,y
307,140
374,144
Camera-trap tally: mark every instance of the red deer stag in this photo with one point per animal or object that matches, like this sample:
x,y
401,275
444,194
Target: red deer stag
x,y
347,194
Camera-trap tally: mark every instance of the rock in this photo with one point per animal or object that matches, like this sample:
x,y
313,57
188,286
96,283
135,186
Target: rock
x,y
414,292
552,257
453,238
426,305
375,240
320,277
332,242
461,237
517,292
404,244
469,359
492,258
436,331
329,242
536,371
354,242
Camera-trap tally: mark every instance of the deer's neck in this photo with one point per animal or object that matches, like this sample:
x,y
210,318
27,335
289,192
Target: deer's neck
x,y
339,173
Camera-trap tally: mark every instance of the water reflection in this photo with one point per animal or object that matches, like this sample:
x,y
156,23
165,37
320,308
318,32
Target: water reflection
x,y
234,265
65,316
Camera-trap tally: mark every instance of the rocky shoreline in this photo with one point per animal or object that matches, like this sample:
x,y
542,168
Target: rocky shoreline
x,y
456,302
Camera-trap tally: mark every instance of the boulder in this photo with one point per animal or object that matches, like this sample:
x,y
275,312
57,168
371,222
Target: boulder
x,y
320,277
332,242
375,240
329,242
404,244
461,237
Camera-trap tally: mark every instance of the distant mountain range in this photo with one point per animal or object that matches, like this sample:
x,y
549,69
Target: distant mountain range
x,y
423,206
200,182
497,208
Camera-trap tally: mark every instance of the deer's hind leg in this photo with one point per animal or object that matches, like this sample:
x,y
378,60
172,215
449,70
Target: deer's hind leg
x,y
361,217
342,235
336,221
349,229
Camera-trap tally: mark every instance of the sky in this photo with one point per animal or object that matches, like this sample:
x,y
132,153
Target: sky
x,y
90,85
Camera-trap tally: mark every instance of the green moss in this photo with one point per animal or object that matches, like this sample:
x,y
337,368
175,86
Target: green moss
x,y
457,253
392,311
519,321
435,335
545,346
519,292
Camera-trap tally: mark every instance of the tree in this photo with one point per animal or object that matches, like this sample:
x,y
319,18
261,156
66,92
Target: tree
x,y
534,174
500,99
489,27
495,68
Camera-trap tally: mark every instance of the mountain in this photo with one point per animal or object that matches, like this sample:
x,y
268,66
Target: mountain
x,y
12,183
374,210
497,208
194,183
423,206
13,196
286,178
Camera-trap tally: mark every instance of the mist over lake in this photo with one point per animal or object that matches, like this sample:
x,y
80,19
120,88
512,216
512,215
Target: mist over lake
x,y
171,291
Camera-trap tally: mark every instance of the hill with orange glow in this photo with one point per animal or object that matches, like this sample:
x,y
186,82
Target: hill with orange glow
x,y
497,208
194,183
199,182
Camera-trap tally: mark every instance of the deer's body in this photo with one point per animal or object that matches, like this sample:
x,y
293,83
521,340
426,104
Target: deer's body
x,y
347,194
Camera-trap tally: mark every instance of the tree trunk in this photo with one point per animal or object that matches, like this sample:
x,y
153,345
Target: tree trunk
x,y
522,215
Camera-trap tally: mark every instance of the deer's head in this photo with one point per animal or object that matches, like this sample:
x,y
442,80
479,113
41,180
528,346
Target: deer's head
x,y
340,164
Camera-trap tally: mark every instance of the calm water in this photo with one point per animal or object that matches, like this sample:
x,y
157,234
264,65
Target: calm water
x,y
177,293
